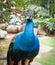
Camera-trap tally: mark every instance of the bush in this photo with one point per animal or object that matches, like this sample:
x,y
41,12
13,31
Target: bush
x,y
48,24
43,13
52,19
38,21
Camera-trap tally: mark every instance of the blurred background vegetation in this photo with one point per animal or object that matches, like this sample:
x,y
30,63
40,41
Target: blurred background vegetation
x,y
43,15
43,12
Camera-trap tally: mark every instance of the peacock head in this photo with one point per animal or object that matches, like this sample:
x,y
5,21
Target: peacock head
x,y
28,17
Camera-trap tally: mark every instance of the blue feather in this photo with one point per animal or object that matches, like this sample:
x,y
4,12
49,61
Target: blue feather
x,y
27,41
25,45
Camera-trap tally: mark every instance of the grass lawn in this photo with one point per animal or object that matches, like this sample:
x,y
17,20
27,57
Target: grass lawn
x,y
50,60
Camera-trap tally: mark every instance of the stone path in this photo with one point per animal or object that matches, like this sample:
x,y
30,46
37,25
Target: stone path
x,y
45,48
35,63
9,36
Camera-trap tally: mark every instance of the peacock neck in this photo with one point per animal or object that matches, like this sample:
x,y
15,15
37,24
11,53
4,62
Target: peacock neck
x,y
29,30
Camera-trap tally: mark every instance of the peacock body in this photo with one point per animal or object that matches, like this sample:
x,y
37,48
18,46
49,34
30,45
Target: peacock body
x,y
25,45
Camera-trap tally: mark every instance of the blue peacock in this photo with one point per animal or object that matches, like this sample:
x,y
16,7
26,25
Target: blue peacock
x,y
25,45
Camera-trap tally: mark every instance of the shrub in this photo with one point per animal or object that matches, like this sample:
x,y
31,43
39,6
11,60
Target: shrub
x,y
48,24
38,21
43,13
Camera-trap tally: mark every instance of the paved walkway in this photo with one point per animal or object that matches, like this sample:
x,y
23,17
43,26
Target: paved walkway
x,y
45,48
35,63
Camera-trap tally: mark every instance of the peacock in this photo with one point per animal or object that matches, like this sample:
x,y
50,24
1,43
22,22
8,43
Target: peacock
x,y
25,45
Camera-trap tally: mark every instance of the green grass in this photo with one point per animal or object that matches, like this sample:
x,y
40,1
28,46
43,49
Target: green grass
x,y
51,59
48,41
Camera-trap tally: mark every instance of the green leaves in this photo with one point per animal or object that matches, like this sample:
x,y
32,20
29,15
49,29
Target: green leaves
x,y
52,19
48,24
43,13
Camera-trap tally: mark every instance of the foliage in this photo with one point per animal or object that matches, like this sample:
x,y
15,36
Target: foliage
x,y
50,5
7,5
38,11
18,4
31,7
47,6
5,10
38,21
52,19
48,24
43,13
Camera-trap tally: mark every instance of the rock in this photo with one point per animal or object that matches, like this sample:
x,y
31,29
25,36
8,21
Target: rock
x,y
3,26
41,32
15,28
3,57
24,26
3,33
21,27
35,31
12,29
